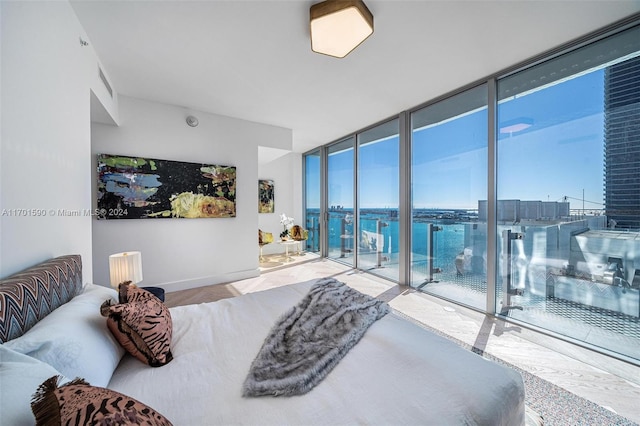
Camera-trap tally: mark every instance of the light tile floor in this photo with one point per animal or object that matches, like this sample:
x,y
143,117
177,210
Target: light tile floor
x,y
604,380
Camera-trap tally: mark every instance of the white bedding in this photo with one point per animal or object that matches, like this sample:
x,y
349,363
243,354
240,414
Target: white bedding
x,y
398,374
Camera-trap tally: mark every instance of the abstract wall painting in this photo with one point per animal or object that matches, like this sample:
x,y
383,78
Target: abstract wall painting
x,y
141,188
266,201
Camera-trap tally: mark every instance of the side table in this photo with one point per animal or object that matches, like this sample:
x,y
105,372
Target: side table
x,y
156,291
286,244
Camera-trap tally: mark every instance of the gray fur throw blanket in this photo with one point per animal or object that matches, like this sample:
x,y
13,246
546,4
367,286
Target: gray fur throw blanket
x,y
309,340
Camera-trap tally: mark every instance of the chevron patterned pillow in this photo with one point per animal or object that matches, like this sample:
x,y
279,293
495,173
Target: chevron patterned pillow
x,y
30,295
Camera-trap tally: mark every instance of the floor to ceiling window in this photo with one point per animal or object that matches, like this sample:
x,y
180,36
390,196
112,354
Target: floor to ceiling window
x,y
448,186
568,240
378,191
540,222
340,201
312,200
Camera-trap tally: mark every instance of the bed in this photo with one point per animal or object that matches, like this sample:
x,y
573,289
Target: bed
x,y
398,373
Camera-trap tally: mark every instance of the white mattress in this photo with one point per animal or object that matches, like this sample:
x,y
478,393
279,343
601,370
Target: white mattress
x,y
399,373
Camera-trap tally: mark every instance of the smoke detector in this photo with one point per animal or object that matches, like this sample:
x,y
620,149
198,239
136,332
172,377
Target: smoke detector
x,y
192,121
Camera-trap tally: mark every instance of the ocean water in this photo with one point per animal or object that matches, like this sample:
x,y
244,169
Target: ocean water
x,y
447,242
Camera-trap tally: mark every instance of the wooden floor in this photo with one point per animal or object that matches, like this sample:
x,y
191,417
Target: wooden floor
x,y
606,381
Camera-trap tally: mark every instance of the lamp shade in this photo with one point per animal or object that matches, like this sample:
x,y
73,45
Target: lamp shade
x,y
339,26
126,266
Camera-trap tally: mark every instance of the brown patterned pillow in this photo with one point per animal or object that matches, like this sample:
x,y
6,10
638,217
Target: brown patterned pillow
x,y
79,403
142,324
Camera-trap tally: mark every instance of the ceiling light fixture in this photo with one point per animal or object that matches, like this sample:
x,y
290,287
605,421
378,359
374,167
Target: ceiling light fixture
x,y
339,26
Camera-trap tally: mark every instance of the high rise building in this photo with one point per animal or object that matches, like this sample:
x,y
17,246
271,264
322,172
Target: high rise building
x,y
622,144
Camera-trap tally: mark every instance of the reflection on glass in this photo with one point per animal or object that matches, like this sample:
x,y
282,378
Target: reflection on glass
x,y
340,197
569,240
378,192
312,200
567,159
449,181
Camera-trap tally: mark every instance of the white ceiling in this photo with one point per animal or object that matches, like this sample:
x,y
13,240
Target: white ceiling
x,y
252,59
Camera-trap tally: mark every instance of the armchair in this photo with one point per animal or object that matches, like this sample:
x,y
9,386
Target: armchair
x,y
299,234
264,238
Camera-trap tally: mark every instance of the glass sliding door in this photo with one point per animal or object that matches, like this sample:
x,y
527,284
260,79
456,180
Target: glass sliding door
x,y
340,201
449,187
563,241
378,192
568,194
312,200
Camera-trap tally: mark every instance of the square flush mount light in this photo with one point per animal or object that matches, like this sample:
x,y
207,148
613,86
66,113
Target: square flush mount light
x,y
339,26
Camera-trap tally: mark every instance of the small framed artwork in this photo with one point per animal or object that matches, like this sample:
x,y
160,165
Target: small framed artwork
x,y
266,203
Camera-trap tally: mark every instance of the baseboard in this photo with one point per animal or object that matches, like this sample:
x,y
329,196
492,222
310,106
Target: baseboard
x,y
210,280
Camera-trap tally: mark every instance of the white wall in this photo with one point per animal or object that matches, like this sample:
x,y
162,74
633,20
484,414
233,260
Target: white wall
x,y
49,86
286,172
185,253
46,83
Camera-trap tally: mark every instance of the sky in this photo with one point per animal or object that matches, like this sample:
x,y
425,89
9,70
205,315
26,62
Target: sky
x,y
560,155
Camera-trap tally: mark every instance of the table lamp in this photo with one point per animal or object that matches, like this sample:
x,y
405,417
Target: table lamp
x,y
125,266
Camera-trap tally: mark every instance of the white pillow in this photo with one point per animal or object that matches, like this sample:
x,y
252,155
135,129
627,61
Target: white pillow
x,y
74,339
20,377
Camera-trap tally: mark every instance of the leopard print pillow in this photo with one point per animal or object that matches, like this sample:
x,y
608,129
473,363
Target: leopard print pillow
x,y
142,324
78,403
